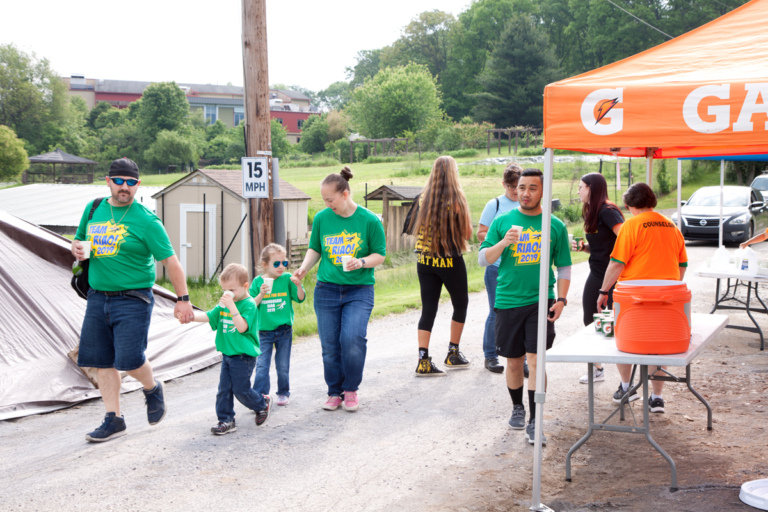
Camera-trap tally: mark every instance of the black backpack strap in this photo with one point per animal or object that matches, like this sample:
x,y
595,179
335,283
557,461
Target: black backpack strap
x,y
497,205
97,202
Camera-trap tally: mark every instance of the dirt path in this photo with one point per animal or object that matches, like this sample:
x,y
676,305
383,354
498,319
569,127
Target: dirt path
x,y
415,444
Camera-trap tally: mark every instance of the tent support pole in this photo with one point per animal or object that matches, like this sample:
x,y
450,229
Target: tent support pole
x,y
722,183
649,169
679,194
541,346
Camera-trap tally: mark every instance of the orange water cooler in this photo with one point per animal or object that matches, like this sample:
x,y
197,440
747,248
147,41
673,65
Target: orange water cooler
x,y
652,316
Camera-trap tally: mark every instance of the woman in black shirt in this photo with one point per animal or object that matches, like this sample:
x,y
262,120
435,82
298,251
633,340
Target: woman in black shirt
x,y
602,222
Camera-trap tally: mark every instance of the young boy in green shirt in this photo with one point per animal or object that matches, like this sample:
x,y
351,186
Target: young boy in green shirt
x,y
235,320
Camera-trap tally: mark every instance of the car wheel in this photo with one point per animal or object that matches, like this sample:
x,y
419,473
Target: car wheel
x,y
750,232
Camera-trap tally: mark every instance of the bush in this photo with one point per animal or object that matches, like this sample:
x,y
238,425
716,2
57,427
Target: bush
x,y
570,214
383,159
530,152
662,178
464,153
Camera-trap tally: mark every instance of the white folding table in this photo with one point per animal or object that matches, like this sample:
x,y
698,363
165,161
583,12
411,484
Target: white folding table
x,y
727,300
588,345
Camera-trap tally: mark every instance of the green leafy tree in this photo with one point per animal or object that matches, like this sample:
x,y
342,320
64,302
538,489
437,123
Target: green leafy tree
x,y
367,66
335,96
164,106
123,140
394,101
171,148
32,98
314,134
13,157
100,108
281,146
513,81
214,130
425,40
338,125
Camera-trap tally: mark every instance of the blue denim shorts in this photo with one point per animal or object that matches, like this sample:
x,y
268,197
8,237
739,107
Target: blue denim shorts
x,y
115,329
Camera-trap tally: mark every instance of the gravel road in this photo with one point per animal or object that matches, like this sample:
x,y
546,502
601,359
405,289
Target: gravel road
x,y
415,444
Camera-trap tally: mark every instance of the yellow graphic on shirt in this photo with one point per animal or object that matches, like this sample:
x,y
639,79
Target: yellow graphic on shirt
x,y
342,244
106,238
227,324
274,301
527,251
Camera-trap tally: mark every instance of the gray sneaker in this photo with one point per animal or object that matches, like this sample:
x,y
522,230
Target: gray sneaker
x,y
530,434
517,421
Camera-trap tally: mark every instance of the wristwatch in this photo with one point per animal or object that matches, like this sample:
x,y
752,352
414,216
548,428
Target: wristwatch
x,y
601,292
563,300
182,298
362,262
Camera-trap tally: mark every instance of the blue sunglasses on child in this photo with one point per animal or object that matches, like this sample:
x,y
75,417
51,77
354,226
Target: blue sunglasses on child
x,y
277,264
120,181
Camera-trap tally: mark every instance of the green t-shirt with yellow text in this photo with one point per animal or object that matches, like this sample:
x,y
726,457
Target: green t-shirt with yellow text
x,y
518,281
333,236
229,341
276,308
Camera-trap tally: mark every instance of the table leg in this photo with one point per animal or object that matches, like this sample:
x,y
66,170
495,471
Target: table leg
x,y
646,425
717,296
591,400
749,314
697,395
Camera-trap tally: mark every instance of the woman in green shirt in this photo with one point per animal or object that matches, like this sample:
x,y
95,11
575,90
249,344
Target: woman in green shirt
x,y
349,242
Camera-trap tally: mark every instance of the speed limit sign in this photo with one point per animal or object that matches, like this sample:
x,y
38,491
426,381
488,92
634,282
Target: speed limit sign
x,y
255,177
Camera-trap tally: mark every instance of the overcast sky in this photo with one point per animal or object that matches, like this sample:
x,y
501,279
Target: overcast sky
x,y
310,41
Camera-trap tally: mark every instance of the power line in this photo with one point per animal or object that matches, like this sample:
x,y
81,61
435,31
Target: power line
x,y
638,19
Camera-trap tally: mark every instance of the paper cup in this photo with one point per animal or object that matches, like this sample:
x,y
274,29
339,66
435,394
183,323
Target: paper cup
x,y
578,240
221,304
598,318
519,230
87,248
570,241
269,281
344,261
608,328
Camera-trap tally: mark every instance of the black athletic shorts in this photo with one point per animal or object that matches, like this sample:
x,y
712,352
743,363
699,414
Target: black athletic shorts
x,y
516,330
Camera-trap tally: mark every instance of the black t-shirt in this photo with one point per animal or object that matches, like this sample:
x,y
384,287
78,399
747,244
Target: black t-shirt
x,y
601,242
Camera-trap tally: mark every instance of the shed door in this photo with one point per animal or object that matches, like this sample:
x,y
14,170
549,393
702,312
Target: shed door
x,y
197,242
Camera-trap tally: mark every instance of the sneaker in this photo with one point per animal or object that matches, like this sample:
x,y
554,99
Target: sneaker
x,y
455,360
223,427
282,400
598,375
493,365
351,403
155,403
332,403
526,372
112,427
655,404
262,415
427,368
517,421
530,432
619,394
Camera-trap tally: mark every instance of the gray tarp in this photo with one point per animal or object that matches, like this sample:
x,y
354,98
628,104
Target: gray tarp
x,y
40,319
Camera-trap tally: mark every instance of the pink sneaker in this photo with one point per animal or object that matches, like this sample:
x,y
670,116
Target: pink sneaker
x,y
332,403
282,400
351,403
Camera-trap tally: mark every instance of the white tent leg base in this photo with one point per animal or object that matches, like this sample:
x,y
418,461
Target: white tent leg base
x,y
541,508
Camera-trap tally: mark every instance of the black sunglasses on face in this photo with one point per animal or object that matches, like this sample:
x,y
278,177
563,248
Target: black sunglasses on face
x,y
120,181
276,264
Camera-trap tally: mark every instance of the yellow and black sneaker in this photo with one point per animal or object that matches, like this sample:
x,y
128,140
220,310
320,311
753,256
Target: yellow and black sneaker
x,y
455,360
427,368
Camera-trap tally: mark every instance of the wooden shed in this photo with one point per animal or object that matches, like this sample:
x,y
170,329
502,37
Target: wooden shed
x,y
206,217
393,215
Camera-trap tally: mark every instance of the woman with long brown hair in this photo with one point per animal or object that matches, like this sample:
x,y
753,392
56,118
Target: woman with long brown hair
x,y
602,222
443,225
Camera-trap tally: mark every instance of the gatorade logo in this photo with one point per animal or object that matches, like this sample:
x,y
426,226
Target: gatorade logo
x,y
599,113
717,118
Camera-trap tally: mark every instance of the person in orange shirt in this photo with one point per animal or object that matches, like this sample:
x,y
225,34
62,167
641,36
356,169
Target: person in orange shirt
x,y
649,246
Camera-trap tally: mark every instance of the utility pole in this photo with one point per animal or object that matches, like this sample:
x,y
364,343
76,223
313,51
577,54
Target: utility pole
x,y
257,120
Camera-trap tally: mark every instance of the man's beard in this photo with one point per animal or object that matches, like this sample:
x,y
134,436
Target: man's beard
x,y
532,207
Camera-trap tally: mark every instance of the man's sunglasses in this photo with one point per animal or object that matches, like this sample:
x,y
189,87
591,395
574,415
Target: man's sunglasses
x,y
120,181
276,264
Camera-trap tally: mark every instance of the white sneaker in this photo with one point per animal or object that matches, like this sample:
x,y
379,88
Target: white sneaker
x,y
598,375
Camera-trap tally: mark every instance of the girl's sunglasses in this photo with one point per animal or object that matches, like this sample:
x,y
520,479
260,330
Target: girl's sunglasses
x,y
276,264
120,181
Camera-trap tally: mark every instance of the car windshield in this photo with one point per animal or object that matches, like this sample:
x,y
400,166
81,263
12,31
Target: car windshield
x,y
760,183
711,197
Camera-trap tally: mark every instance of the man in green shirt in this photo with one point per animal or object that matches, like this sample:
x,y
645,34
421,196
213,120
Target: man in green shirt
x,y
515,237
125,241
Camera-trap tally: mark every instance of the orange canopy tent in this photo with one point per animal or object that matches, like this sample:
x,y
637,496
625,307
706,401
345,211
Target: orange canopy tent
x,y
704,93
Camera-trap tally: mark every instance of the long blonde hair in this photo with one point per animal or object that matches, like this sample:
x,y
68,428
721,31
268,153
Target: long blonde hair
x,y
443,219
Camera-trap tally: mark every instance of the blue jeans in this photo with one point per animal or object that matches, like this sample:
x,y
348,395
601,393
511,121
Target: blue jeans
x,y
281,338
115,329
342,323
235,382
489,337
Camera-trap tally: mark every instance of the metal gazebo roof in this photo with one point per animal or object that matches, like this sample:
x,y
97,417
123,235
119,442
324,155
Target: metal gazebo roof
x,y
58,156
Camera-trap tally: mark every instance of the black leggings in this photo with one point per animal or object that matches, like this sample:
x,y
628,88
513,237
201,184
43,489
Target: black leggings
x,y
433,274
590,295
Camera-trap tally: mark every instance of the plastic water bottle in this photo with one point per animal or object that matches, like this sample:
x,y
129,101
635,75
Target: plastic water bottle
x,y
747,261
77,268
